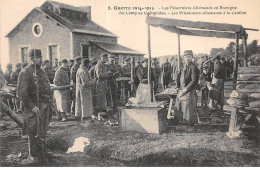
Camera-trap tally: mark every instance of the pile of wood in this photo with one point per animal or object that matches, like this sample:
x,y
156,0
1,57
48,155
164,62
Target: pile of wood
x,y
247,93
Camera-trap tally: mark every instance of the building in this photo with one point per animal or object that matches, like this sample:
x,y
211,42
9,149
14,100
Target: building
x,y
62,31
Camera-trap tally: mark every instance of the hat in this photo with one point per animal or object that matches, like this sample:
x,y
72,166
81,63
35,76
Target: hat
x,y
188,52
64,61
104,55
216,57
18,64
144,60
71,60
112,57
46,61
77,58
127,59
35,52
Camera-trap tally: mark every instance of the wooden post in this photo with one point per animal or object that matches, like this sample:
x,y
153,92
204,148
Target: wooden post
x,y
179,53
244,39
149,62
132,75
235,64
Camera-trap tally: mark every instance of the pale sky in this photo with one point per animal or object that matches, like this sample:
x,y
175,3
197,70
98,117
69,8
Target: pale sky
x,y
132,29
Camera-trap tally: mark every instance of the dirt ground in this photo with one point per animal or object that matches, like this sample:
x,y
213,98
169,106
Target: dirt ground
x,y
186,146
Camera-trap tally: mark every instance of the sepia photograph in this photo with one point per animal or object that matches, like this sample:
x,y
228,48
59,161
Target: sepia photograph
x,y
129,83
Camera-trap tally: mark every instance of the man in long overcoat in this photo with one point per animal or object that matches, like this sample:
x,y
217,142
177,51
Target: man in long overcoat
x,y
187,80
103,74
62,97
26,92
84,84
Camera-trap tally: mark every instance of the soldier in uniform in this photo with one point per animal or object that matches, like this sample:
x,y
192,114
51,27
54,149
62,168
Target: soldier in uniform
x,y
187,80
8,72
112,84
47,68
62,97
126,68
15,74
157,74
73,72
26,92
103,74
167,72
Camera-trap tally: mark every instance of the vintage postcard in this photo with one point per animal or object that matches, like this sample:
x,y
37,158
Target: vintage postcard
x,y
130,83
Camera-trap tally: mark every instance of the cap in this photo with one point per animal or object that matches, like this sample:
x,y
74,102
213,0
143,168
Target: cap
x,y
71,60
127,59
64,61
188,52
18,64
9,65
144,60
77,58
46,61
112,57
35,52
216,57
104,55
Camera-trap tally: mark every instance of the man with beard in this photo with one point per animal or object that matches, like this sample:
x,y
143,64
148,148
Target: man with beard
x,y
27,93
187,80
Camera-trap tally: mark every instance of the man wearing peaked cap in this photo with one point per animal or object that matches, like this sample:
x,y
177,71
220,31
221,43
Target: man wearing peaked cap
x,y
187,80
26,91
144,60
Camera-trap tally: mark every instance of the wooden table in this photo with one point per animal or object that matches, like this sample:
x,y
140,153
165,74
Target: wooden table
x,y
235,125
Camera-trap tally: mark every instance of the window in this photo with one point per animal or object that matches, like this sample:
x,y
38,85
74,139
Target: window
x,y
85,50
53,53
24,54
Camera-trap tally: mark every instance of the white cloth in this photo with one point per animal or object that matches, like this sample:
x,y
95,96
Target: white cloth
x,y
143,93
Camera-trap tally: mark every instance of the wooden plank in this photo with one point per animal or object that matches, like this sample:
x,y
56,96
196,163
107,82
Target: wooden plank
x,y
179,52
242,122
132,76
236,63
149,62
249,70
192,24
201,33
244,40
248,77
169,109
233,120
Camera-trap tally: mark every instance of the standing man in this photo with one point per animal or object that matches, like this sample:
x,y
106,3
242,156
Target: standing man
x,y
15,74
47,69
8,73
103,74
167,72
62,97
84,84
26,92
73,72
157,74
187,80
112,83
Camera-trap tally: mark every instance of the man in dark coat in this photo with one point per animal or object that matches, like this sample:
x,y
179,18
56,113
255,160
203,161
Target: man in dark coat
x,y
8,72
47,69
73,72
15,74
167,72
187,80
26,92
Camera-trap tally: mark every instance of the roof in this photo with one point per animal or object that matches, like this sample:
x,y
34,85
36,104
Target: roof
x,y
74,25
198,28
115,48
73,8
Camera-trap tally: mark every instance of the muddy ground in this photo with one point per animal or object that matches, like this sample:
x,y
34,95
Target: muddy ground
x,y
200,145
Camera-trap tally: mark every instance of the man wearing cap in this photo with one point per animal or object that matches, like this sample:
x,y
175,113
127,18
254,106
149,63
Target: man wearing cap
x,y
26,92
73,72
205,78
126,67
62,97
15,74
187,80
112,83
8,72
218,82
84,100
167,72
143,92
103,74
157,74
47,69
